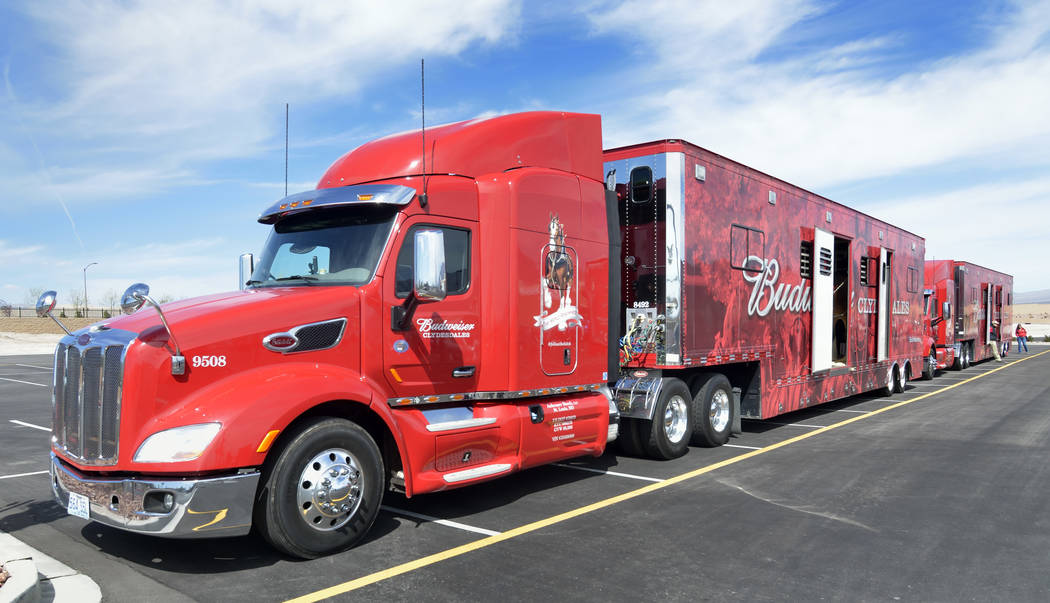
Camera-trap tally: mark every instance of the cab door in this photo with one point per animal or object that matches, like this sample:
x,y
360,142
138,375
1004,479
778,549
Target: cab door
x,y
436,349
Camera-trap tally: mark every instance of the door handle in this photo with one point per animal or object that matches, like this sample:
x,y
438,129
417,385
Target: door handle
x,y
463,371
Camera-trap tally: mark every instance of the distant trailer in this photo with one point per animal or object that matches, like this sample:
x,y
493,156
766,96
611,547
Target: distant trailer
x,y
981,309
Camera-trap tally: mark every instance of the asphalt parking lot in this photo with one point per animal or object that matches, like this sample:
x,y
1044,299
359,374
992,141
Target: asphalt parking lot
x,y
938,494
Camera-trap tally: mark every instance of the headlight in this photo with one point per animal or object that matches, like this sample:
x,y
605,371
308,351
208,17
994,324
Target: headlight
x,y
179,444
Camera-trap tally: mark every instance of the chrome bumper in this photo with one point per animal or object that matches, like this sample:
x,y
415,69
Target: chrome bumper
x,y
201,508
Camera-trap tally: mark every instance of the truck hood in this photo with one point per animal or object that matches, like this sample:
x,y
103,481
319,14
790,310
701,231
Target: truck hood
x,y
203,320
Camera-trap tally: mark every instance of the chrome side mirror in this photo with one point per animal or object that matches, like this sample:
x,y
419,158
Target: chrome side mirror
x,y
247,267
45,304
430,280
134,297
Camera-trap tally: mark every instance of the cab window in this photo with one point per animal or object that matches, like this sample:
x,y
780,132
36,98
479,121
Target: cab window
x,y
457,260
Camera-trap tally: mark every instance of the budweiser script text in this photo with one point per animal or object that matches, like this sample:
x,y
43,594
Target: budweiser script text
x,y
767,294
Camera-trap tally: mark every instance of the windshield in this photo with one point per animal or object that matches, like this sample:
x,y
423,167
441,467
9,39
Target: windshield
x,y
325,247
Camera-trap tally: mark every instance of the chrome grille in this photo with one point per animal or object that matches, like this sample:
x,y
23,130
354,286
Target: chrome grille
x,y
87,390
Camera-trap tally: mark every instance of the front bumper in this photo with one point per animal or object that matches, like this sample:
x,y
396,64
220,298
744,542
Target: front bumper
x,y
202,508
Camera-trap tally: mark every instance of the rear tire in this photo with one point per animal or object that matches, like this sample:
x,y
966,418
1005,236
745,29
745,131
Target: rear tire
x,y
712,411
891,382
967,358
629,441
902,380
670,429
320,491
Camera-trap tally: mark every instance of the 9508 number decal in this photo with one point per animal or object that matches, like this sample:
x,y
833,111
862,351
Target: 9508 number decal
x,y
208,361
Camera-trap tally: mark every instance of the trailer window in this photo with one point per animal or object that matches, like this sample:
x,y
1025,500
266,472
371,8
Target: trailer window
x,y
641,184
913,280
457,260
747,248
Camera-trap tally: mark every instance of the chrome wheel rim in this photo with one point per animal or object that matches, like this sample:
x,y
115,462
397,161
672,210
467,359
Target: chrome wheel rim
x,y
904,378
719,411
329,489
676,419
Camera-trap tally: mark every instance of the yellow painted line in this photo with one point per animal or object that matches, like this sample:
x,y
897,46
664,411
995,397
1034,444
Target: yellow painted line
x,y
404,568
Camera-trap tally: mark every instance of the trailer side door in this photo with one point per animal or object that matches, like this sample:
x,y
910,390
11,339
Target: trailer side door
x,y
823,299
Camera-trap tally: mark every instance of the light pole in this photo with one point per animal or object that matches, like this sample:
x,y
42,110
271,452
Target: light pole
x,y
85,286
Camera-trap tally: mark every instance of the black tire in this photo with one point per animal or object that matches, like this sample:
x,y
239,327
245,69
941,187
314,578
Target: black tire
x,y
900,383
891,383
630,440
930,366
712,411
669,431
967,357
306,517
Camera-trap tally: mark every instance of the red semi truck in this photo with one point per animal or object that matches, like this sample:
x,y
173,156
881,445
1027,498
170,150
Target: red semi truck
x,y
964,302
421,324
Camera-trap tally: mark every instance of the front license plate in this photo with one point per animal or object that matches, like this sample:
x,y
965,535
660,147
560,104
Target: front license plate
x,y
79,506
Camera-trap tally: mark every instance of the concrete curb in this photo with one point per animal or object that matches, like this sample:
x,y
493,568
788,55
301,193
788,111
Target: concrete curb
x,y
39,577
23,584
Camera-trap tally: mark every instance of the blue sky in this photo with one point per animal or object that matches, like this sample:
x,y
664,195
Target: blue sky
x,y
147,137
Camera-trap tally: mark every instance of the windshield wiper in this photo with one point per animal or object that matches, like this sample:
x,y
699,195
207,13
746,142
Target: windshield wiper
x,y
306,278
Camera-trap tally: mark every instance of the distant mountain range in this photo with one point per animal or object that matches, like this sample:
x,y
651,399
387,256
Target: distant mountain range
x,y
1033,297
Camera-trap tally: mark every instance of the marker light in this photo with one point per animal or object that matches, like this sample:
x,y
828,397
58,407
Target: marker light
x,y
179,444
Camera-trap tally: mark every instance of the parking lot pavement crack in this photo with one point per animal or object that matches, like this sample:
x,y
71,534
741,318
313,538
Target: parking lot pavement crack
x,y
799,509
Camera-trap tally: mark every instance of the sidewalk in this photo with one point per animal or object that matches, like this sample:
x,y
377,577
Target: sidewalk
x,y
39,577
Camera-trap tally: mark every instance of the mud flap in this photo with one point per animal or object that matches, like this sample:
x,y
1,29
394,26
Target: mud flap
x,y
737,428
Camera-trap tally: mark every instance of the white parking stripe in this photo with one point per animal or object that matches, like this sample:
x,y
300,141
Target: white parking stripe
x,y
739,446
796,425
24,424
23,474
863,412
444,522
26,382
605,472
43,368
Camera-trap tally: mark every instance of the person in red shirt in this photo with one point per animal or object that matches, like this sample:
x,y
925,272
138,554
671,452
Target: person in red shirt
x,y
1022,338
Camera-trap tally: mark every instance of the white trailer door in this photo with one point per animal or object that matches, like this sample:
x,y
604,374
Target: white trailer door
x,y
989,313
884,304
823,303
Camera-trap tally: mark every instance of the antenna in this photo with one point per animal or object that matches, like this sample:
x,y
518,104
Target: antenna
x,y
286,149
423,116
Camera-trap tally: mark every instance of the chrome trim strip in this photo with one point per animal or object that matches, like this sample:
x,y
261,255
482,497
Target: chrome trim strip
x,y
674,241
206,507
464,424
476,472
500,395
377,194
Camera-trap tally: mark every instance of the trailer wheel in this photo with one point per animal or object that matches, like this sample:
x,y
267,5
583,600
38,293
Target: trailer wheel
x,y
321,491
670,428
902,379
891,382
712,411
931,366
967,358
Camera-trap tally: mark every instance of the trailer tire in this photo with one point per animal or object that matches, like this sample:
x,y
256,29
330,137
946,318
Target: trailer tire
x,y
632,432
967,357
670,429
901,381
297,508
930,366
891,382
712,411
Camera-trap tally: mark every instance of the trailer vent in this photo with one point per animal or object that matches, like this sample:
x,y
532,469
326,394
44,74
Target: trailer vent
x,y
806,259
864,271
825,261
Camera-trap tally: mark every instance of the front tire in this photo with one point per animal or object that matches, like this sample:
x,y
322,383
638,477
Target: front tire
x,y
931,366
671,426
712,412
321,491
